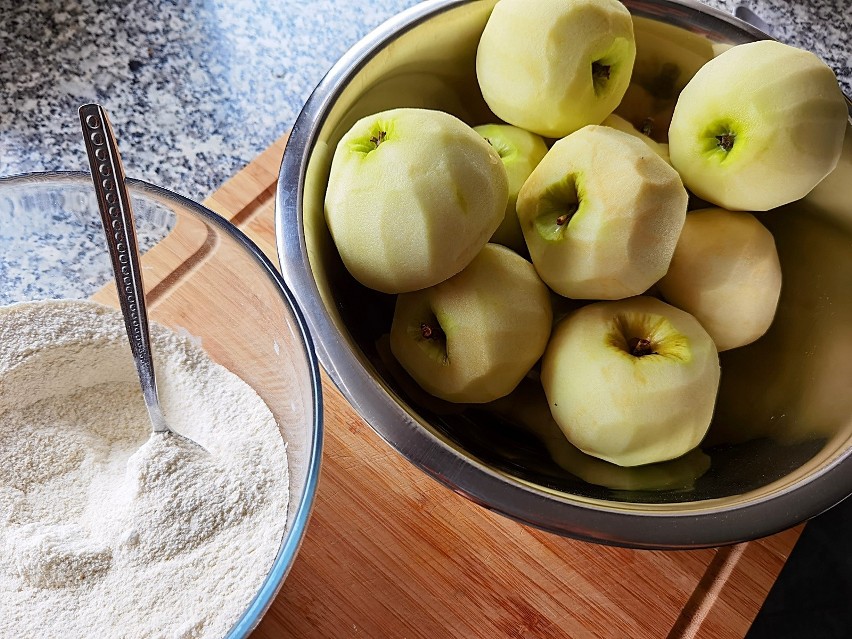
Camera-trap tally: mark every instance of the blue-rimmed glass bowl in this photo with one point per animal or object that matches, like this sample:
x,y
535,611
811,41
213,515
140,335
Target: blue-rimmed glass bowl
x,y
202,276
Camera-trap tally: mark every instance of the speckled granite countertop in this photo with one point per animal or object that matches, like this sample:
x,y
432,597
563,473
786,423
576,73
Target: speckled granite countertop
x,y
197,88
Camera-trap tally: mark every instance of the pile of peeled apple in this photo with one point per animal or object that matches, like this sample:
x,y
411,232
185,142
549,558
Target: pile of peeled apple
x,y
444,215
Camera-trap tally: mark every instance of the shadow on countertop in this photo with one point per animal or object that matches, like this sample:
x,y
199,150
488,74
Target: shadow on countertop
x,y
812,598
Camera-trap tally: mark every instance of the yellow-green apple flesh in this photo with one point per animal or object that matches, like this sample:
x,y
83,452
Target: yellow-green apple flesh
x,y
551,66
521,151
633,381
758,126
413,195
527,405
473,337
725,271
601,215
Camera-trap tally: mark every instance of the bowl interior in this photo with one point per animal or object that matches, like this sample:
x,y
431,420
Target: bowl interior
x,y
784,410
202,278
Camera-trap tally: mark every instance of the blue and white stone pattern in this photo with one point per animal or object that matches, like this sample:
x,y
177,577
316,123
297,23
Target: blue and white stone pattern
x,y
197,88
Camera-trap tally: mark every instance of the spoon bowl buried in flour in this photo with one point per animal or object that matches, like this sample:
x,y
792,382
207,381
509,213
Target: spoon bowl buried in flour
x,y
106,529
120,232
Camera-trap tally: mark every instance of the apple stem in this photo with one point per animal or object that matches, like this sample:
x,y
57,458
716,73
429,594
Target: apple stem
x,y
430,332
563,219
639,346
726,141
647,126
378,138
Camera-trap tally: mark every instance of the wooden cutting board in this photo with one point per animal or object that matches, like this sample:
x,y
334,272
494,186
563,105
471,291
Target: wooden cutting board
x,y
390,553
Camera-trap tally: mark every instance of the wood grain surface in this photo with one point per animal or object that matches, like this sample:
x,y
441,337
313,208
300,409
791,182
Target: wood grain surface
x,y
390,553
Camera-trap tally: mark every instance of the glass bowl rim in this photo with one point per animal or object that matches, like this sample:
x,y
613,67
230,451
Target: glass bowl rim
x,y
296,528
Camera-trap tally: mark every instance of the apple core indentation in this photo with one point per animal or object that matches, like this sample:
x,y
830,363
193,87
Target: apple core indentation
x,y
432,337
640,346
600,75
557,207
429,331
726,141
369,142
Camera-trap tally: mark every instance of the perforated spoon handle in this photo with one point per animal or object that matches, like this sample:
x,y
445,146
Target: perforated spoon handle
x,y
120,232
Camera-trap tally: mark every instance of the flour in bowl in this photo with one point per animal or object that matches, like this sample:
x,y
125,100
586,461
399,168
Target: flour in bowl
x,y
105,529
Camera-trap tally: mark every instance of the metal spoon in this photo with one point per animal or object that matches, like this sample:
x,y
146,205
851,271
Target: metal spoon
x,y
120,230
744,13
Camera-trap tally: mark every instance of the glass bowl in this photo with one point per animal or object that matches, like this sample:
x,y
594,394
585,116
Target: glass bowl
x,y
202,277
779,450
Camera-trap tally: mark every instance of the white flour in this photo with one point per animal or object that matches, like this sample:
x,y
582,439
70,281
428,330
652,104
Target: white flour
x,y
106,531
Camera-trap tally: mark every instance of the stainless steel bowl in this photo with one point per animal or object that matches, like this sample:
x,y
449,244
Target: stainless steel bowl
x,y
780,447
